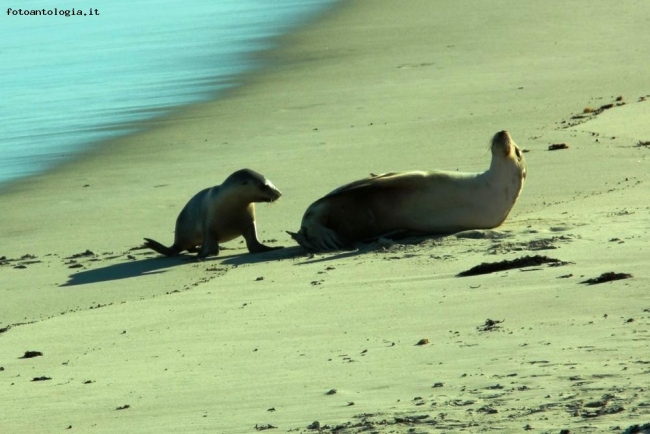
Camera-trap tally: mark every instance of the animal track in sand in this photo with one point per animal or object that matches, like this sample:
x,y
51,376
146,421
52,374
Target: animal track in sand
x,y
19,263
533,245
472,408
589,113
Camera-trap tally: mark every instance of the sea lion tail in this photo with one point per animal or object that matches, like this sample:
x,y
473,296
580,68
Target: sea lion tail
x,y
163,250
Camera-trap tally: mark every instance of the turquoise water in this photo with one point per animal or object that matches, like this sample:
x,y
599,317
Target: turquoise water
x,y
69,81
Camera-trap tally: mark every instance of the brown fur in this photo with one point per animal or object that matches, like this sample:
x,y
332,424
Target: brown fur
x,y
219,214
435,202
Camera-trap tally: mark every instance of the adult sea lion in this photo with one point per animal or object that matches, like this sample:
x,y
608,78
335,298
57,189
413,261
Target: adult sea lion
x,y
416,202
219,214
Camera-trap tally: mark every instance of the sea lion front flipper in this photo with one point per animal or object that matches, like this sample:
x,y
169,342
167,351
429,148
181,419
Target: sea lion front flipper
x,y
253,244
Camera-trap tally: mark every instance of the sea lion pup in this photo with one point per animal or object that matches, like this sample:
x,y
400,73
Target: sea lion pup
x,y
416,202
219,214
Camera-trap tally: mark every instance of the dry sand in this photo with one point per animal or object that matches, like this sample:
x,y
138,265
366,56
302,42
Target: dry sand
x,y
132,342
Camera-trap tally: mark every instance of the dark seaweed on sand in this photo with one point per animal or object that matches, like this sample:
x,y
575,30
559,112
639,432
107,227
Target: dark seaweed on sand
x,y
525,261
490,325
86,254
366,424
31,354
43,378
638,429
607,277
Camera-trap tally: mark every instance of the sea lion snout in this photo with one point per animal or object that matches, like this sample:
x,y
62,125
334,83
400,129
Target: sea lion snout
x,y
275,196
271,191
502,142
501,138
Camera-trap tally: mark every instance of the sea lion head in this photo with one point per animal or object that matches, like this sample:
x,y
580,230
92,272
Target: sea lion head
x,y
255,184
504,148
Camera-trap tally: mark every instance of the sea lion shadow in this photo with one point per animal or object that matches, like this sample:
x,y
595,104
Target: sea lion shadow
x,y
330,256
273,255
386,243
367,247
124,270
293,252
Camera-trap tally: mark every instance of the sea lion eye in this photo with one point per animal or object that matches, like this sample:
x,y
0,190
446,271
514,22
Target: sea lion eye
x,y
518,152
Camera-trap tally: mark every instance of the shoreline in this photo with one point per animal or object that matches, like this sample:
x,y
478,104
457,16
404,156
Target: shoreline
x,y
152,344
142,115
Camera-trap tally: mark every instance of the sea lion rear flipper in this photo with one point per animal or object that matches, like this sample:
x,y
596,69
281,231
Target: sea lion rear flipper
x,y
321,239
302,241
163,250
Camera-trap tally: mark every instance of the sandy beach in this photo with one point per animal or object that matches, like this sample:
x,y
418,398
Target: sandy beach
x,y
127,341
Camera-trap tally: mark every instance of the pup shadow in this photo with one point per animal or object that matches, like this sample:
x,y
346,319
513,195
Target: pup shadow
x,y
125,270
159,264
258,258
